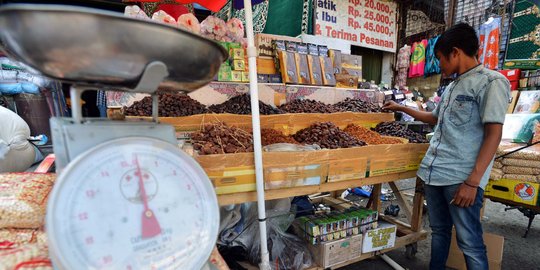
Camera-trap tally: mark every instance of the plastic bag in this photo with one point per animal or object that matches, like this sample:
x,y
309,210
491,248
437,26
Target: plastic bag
x,y
18,88
16,153
287,251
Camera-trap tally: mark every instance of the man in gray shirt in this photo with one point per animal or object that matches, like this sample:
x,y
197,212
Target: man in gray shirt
x,y
456,167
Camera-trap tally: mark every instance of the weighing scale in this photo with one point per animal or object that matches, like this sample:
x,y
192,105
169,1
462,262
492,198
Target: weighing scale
x,y
126,197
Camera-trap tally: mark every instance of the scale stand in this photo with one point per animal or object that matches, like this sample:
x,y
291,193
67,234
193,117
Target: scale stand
x,y
73,136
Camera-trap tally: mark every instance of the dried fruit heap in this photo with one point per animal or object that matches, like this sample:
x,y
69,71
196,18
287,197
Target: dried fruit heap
x,y
222,139
307,106
369,136
170,105
398,130
242,105
327,135
357,105
272,136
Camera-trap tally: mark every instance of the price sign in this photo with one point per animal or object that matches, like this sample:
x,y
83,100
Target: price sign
x,y
366,23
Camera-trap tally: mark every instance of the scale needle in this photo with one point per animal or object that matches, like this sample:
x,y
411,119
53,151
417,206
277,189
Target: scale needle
x,y
150,224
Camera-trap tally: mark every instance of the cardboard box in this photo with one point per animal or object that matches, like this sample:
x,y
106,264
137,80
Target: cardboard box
x,y
336,252
225,73
263,43
327,71
245,76
513,76
238,65
347,164
275,78
236,76
514,190
302,64
380,238
266,66
288,68
238,53
354,71
262,78
294,169
494,244
335,55
302,68
315,70
323,50
354,61
528,102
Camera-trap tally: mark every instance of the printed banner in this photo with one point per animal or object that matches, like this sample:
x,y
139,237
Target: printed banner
x,y
366,23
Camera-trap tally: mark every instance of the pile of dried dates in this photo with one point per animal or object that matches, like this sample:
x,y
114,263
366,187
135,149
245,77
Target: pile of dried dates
x,y
307,106
357,105
272,136
170,105
398,130
369,136
242,105
222,139
327,135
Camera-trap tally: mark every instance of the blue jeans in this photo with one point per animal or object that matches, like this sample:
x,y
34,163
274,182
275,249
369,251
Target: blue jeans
x,y
442,215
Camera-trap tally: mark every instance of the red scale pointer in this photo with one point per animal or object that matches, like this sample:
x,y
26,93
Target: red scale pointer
x,y
150,224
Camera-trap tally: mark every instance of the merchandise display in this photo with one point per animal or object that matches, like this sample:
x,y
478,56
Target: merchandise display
x,y
327,135
170,105
314,134
398,130
335,225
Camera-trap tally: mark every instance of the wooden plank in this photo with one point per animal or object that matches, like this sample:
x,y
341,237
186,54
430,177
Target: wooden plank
x,y
338,204
418,207
241,197
402,226
401,201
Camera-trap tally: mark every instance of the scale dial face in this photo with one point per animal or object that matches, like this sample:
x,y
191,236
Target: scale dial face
x,y
132,203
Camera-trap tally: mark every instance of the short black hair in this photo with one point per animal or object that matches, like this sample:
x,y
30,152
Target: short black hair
x,y
461,36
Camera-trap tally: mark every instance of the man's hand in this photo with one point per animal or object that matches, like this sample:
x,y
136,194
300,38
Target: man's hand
x,y
425,117
392,106
465,196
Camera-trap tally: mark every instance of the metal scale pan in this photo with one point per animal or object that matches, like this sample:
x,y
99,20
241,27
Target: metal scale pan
x,y
94,47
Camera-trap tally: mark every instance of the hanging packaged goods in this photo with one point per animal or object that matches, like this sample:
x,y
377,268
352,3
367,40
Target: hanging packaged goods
x,y
366,23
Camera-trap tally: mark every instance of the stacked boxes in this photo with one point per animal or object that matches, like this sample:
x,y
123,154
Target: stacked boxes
x,y
323,228
235,69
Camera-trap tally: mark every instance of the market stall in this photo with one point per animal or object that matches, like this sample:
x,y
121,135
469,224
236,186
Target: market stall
x,y
280,141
